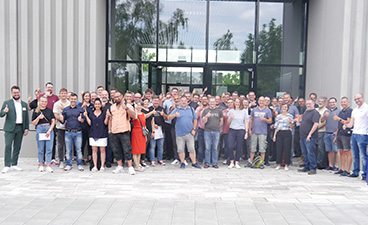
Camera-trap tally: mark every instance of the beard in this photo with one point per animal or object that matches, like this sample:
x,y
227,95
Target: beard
x,y
16,98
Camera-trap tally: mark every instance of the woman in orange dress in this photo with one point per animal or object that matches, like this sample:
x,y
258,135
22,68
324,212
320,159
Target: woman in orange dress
x,y
138,140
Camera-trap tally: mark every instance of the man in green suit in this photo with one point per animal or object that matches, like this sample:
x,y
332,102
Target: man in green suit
x,y
16,126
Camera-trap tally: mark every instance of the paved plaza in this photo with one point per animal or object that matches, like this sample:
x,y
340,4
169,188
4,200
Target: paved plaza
x,y
168,195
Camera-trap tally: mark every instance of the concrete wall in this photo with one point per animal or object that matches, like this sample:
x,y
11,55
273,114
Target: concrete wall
x,y
62,41
337,52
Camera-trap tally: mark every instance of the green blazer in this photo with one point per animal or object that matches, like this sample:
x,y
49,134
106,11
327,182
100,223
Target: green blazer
x,y
9,124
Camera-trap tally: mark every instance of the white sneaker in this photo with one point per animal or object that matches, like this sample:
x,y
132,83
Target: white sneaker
x,y
16,168
286,168
185,162
231,166
6,169
67,168
94,169
41,169
224,162
140,169
61,165
131,171
175,162
118,169
153,163
237,166
80,168
102,169
49,169
277,168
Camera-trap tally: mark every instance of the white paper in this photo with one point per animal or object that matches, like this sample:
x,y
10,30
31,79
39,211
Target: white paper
x,y
42,137
158,133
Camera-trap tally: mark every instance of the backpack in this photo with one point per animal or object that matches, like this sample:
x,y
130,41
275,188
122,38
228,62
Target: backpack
x,y
257,161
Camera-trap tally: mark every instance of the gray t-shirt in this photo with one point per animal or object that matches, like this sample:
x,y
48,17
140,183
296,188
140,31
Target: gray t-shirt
x,y
237,123
260,126
213,122
331,124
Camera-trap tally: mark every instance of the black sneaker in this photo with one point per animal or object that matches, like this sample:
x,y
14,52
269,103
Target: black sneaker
x,y
335,169
312,172
248,164
353,175
262,167
339,172
196,166
267,164
303,170
344,174
364,178
108,165
327,169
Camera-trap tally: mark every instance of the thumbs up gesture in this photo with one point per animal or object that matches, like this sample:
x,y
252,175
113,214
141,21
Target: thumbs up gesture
x,y
177,114
80,119
6,109
41,116
232,116
208,114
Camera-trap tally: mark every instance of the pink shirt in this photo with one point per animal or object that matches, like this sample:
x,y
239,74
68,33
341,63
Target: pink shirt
x,y
50,100
226,125
200,120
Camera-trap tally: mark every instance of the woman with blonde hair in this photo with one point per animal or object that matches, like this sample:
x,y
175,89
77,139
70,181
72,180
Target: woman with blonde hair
x,y
44,120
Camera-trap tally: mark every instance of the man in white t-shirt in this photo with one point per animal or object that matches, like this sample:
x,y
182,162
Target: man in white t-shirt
x,y
359,138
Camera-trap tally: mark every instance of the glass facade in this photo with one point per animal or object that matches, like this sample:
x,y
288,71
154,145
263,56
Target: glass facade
x,y
219,44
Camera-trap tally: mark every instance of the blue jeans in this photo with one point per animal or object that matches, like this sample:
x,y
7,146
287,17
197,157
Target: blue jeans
x,y
329,144
321,147
308,148
160,149
201,145
76,139
359,149
211,139
44,146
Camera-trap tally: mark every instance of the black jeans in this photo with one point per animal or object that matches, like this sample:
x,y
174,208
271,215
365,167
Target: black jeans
x,y
118,141
283,146
235,141
85,141
297,149
168,144
61,143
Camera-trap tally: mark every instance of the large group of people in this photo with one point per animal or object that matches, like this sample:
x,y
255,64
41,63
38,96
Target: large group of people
x,y
141,131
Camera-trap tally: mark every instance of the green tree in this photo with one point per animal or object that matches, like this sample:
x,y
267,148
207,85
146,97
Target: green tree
x,y
231,78
225,42
269,52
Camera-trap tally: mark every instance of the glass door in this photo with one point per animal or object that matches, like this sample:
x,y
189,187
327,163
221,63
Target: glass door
x,y
230,79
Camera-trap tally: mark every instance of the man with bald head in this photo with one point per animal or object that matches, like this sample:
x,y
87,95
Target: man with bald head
x,y
259,118
359,138
308,137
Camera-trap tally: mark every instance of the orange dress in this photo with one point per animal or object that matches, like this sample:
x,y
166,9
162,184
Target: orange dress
x,y
138,140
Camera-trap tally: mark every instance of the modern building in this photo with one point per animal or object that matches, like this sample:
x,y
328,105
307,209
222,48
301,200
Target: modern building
x,y
270,46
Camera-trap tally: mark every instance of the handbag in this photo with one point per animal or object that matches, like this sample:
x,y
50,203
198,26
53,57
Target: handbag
x,y
145,131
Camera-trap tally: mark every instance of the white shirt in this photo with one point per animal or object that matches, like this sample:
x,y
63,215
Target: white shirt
x,y
18,111
360,115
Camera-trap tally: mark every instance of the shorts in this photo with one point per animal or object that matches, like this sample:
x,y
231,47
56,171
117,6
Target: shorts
x,y
187,140
330,145
100,142
343,143
261,140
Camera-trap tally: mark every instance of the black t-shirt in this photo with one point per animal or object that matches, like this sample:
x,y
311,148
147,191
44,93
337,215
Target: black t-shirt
x,y
159,120
48,116
33,104
106,107
194,105
344,114
149,119
309,118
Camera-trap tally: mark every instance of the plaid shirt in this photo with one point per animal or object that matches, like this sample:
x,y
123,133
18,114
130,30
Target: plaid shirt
x,y
283,123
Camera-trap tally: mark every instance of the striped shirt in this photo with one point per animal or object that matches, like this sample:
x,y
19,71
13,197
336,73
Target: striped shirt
x,y
282,123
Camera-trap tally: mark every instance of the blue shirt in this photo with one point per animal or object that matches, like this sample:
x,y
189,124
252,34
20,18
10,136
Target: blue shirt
x,y
71,117
184,123
89,109
167,106
344,115
260,126
331,124
98,127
